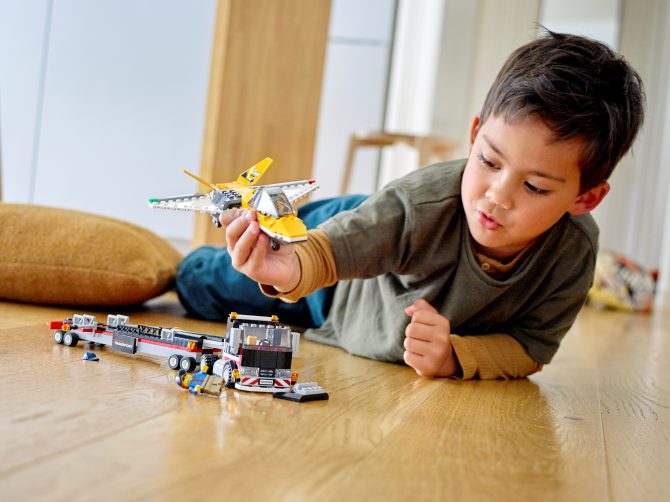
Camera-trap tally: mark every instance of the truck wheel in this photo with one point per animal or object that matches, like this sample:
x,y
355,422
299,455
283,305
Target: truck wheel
x,y
70,339
173,361
58,336
187,364
208,360
228,375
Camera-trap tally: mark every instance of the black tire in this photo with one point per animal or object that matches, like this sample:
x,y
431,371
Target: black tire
x,y
70,339
208,360
228,375
58,336
188,364
174,361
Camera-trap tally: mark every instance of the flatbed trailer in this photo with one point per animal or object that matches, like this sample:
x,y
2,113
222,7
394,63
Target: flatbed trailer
x,y
183,349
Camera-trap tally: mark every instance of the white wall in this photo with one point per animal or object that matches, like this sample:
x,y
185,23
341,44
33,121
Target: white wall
x,y
103,102
638,213
453,89
477,37
354,91
412,81
23,29
643,178
597,19
663,286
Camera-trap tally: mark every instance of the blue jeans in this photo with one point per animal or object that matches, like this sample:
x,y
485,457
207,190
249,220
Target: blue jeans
x,y
210,288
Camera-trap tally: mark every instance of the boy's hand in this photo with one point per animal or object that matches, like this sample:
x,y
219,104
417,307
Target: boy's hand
x,y
251,252
427,346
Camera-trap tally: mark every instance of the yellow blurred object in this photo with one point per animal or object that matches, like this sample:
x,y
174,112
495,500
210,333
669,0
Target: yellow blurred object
x,y
621,284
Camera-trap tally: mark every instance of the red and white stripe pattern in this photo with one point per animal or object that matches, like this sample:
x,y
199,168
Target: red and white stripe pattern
x,y
249,381
280,383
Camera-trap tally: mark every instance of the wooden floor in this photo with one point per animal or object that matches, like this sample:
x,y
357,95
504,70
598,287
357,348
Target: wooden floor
x,y
594,425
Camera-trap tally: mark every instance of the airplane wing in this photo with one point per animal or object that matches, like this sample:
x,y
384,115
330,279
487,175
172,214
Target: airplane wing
x,y
213,202
197,202
299,189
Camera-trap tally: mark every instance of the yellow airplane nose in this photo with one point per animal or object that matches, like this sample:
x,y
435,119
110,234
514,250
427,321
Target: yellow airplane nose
x,y
285,229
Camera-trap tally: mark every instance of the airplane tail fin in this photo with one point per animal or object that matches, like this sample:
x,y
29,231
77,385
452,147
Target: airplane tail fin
x,y
254,173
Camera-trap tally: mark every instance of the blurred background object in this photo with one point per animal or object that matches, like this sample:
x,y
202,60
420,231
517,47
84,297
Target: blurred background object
x,y
428,149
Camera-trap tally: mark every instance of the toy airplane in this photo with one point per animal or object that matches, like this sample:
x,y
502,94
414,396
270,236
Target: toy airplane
x,y
272,203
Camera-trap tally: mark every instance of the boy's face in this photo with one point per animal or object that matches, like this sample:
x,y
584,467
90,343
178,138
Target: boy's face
x,y
518,182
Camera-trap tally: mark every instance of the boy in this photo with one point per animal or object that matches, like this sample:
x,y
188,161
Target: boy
x,y
467,269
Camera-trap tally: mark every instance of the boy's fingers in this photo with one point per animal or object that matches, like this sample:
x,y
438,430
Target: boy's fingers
x,y
229,215
420,305
432,333
233,233
423,306
258,253
238,226
244,245
418,363
431,319
411,359
416,345
419,332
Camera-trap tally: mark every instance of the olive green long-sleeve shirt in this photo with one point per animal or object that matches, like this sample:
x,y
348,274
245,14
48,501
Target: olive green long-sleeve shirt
x,y
411,240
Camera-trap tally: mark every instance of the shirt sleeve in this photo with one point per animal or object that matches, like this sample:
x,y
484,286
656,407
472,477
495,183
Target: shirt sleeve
x,y
317,268
549,317
490,357
484,357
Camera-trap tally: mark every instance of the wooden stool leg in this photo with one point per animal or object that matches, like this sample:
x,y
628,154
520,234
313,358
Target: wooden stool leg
x,y
425,152
348,166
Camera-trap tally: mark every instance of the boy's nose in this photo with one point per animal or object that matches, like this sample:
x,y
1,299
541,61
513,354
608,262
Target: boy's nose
x,y
500,195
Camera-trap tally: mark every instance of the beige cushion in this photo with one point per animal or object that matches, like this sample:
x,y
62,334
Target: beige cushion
x,y
63,257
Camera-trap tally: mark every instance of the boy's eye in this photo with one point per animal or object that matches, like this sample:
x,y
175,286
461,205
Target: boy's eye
x,y
532,188
485,161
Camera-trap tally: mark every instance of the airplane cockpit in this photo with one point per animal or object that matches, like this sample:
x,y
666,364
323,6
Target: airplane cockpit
x,y
271,201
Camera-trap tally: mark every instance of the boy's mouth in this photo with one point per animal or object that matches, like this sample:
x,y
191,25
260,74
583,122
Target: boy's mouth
x,y
487,221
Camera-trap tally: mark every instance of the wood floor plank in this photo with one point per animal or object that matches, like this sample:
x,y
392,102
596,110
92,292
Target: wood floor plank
x,y
633,357
593,425
493,441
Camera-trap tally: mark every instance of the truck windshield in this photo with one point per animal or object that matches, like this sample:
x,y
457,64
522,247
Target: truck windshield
x,y
267,336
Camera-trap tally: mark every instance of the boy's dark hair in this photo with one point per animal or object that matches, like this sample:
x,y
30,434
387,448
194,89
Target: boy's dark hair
x,y
581,89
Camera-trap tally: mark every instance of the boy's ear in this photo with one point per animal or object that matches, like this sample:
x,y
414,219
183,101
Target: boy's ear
x,y
473,131
590,199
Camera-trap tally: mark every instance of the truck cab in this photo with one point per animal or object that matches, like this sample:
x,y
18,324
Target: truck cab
x,y
257,354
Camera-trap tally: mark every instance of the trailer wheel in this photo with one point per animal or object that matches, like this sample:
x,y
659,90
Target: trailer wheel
x,y
188,364
70,339
173,361
228,375
58,336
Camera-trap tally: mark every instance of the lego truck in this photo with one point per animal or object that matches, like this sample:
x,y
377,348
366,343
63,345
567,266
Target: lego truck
x,y
256,353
